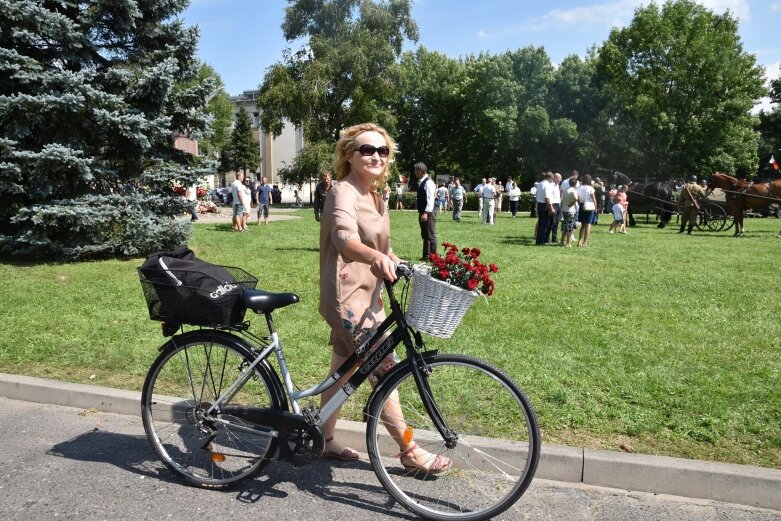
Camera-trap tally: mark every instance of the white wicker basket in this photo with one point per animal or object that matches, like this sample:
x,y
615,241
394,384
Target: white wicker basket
x,y
436,307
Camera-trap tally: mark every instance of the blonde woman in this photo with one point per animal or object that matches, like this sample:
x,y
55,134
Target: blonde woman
x,y
355,257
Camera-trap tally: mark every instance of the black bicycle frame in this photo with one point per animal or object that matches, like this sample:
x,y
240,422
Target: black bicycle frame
x,y
368,356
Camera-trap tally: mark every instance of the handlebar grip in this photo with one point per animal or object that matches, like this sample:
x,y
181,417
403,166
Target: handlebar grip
x,y
403,269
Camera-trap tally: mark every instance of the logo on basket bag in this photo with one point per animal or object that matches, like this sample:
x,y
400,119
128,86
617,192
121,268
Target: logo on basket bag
x,y
222,290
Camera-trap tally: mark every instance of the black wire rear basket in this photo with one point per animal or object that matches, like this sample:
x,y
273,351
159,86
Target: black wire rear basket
x,y
195,297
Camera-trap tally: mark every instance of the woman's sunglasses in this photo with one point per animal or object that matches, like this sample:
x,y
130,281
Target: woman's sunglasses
x,y
369,150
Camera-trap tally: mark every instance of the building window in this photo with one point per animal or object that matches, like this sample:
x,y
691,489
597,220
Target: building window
x,y
255,119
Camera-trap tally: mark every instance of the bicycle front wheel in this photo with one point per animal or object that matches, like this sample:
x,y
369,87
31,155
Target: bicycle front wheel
x,y
495,454
211,451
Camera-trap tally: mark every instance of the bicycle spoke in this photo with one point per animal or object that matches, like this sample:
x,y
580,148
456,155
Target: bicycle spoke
x,y
483,475
181,387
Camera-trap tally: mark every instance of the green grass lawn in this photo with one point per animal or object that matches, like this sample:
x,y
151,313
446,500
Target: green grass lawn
x,y
664,343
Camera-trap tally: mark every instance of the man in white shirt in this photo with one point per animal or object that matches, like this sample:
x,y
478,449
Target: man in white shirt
x,y
238,207
545,210
488,194
479,192
427,194
539,195
572,181
191,195
507,187
553,226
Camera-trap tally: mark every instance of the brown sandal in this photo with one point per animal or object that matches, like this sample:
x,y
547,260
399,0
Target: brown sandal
x,y
439,464
347,453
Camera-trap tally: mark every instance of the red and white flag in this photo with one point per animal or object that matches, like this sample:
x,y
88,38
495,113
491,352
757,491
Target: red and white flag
x,y
773,162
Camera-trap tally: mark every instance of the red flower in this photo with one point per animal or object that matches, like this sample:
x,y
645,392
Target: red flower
x,y
462,269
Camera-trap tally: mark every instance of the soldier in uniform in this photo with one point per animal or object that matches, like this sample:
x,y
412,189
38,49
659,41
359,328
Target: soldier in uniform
x,y
689,203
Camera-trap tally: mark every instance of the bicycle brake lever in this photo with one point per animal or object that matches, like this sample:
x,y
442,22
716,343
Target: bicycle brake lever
x,y
403,269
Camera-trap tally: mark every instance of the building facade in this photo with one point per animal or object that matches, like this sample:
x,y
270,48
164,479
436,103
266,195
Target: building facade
x,y
275,152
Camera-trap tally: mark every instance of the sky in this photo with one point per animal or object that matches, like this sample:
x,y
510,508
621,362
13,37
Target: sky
x,y
242,38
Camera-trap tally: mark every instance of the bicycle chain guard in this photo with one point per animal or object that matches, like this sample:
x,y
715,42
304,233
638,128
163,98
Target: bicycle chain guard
x,y
300,442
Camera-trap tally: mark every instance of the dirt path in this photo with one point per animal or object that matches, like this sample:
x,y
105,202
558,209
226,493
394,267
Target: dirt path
x,y
225,213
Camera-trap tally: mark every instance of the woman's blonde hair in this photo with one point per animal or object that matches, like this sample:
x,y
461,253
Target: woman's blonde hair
x,y
346,146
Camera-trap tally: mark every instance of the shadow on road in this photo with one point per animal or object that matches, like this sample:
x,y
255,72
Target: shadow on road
x,y
133,454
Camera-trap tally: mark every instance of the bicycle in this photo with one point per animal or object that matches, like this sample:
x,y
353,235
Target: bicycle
x,y
216,412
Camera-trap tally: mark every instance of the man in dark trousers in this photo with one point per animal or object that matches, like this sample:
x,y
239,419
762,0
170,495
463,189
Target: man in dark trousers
x,y
321,190
427,190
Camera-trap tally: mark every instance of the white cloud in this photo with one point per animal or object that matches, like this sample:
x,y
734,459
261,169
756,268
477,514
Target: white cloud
x,y
775,7
738,8
619,13
772,71
610,14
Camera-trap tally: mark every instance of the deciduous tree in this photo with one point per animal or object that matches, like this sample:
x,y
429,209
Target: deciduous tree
x,y
770,130
346,71
428,107
683,86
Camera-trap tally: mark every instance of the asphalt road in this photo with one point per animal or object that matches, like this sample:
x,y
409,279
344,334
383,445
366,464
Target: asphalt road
x,y
67,463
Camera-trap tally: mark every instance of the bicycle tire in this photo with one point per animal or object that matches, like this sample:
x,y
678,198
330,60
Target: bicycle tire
x,y
184,380
498,445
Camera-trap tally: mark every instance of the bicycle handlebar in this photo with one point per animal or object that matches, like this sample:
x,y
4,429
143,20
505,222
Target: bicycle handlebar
x,y
403,269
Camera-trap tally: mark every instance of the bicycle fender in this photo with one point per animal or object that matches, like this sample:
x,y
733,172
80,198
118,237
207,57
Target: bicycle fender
x,y
428,356
207,335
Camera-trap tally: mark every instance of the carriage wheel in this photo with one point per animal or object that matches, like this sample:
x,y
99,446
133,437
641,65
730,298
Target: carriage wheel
x,y
712,217
729,222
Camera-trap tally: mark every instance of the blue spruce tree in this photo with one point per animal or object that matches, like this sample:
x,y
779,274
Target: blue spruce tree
x,y
92,94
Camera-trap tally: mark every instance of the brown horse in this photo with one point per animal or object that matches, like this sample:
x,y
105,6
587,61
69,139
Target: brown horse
x,y
743,194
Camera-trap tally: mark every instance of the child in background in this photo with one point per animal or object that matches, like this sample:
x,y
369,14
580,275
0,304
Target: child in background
x,y
625,205
618,215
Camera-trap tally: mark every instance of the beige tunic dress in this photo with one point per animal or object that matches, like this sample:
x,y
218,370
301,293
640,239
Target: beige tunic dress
x,y
350,296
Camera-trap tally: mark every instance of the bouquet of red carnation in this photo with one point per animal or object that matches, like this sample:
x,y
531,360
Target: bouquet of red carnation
x,y
462,269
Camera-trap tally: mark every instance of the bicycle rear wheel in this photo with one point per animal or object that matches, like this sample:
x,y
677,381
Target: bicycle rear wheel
x,y
497,450
181,385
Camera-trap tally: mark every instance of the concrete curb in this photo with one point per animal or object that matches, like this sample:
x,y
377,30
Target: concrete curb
x,y
741,484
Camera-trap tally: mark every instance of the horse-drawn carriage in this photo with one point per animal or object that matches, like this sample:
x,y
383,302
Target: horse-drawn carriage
x,y
661,199
744,195
713,215
728,201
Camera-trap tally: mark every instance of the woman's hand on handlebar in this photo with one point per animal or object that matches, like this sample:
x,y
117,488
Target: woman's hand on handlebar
x,y
383,266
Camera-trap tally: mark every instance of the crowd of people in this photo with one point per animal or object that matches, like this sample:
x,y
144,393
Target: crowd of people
x,y
561,206
573,204
246,195
490,193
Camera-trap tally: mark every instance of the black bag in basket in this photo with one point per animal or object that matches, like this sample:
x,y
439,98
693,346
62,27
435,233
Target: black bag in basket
x,y
183,289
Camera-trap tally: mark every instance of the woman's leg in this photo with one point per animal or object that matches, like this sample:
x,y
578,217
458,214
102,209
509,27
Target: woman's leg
x,y
410,453
329,426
